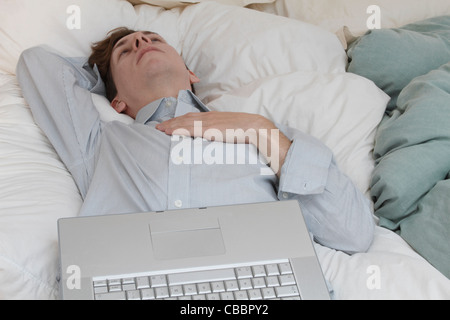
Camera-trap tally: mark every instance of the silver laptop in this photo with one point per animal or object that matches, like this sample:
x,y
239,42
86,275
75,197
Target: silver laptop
x,y
257,252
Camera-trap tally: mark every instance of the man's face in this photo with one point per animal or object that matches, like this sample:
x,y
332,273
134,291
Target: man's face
x,y
144,68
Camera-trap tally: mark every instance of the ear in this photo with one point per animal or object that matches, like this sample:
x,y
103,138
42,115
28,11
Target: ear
x,y
119,105
193,78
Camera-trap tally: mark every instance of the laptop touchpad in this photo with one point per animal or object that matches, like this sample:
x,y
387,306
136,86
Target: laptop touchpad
x,y
186,238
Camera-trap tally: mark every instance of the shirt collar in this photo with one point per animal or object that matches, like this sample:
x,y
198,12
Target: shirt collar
x,y
146,113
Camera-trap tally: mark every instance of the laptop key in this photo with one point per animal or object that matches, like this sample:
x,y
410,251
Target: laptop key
x,y
190,289
128,281
100,283
142,282
259,283
133,295
158,281
227,284
227,295
118,295
244,272
272,270
176,291
272,281
288,291
114,282
255,294
259,271
268,293
201,276
213,296
100,290
114,288
285,268
128,287
162,293
231,285
218,286
204,288
287,279
241,295
148,294
245,284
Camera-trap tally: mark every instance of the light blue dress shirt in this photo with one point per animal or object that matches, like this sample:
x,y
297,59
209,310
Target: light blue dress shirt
x,y
125,168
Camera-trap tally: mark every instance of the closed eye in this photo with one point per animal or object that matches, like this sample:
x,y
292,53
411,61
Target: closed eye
x,y
156,38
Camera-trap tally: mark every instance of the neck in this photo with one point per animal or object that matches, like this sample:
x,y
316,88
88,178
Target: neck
x,y
153,95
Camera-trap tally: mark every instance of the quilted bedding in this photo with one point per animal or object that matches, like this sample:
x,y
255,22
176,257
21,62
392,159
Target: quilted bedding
x,y
410,185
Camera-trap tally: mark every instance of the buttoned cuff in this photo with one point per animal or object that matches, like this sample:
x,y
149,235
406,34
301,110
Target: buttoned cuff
x,y
306,167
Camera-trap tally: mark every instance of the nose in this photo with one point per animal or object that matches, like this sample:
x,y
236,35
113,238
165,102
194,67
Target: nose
x,y
140,39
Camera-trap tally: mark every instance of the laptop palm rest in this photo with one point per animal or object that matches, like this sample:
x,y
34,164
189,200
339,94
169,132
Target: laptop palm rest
x,y
189,237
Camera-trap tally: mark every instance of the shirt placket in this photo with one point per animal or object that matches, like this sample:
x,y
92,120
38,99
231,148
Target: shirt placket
x,y
179,184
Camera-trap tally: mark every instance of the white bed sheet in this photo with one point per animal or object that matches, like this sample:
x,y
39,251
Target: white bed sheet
x,y
36,189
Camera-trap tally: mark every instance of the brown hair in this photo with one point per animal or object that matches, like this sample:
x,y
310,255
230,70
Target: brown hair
x,y
101,56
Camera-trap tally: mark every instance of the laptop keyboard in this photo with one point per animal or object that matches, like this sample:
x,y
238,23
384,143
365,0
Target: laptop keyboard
x,y
258,282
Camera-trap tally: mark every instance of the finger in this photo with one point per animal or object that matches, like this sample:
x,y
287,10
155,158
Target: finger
x,y
168,125
180,128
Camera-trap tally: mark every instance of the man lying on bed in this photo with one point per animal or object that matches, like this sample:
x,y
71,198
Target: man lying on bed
x,y
122,168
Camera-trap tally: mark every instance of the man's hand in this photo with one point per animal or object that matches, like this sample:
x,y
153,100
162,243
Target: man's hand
x,y
233,127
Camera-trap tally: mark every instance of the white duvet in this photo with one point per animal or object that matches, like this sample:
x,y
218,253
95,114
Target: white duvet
x,y
248,61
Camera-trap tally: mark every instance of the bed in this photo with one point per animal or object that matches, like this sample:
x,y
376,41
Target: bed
x,y
284,56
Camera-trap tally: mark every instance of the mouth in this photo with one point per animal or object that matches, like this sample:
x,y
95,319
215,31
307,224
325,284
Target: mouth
x,y
144,51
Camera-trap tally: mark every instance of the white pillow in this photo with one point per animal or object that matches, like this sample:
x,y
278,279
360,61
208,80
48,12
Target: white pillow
x,y
333,15
224,45
169,4
342,110
72,26
228,47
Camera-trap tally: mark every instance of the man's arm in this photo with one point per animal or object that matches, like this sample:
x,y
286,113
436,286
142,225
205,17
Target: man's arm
x,y
233,127
58,92
337,213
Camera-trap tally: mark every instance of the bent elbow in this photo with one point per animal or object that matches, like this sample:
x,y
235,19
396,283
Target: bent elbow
x,y
364,242
360,236
354,234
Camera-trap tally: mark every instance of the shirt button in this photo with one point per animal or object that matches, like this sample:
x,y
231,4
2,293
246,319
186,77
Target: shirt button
x,y
285,195
169,103
178,203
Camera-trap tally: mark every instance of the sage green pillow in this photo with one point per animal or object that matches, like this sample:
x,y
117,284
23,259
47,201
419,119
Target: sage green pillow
x,y
393,57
